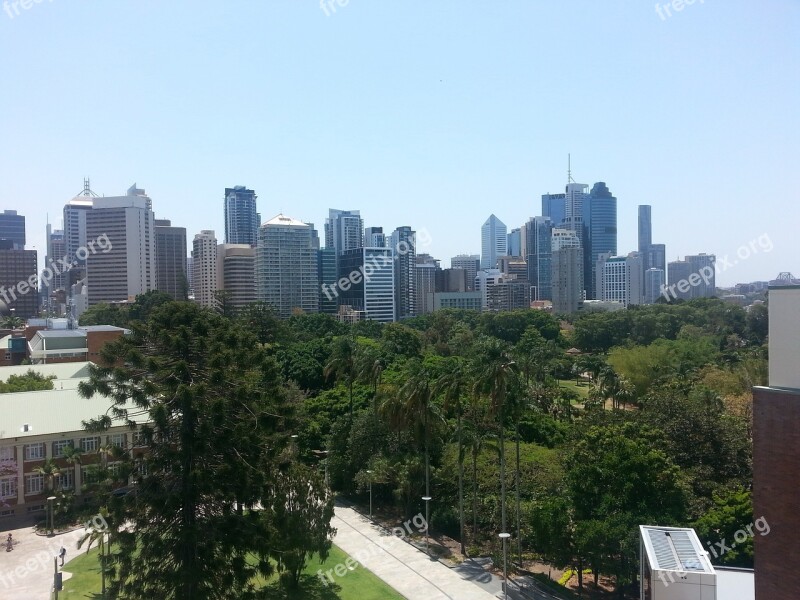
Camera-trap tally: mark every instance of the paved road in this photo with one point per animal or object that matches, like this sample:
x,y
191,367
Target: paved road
x,y
26,573
399,564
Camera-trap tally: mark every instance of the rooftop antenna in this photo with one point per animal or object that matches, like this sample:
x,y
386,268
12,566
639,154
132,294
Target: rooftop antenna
x,y
87,190
569,169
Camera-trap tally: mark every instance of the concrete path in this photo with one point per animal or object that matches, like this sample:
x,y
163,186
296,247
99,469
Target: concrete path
x,y
411,572
26,573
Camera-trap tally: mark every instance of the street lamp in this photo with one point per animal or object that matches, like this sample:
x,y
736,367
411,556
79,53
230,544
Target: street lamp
x,y
370,494
504,536
427,522
50,500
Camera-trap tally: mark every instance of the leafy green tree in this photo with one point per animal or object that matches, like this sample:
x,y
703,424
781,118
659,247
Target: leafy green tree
x,y
757,323
31,381
262,320
343,365
299,518
13,322
398,340
218,420
146,303
731,515
106,314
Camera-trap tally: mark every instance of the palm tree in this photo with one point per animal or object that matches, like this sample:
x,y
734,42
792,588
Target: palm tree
x,y
13,322
370,369
98,535
495,378
342,365
49,470
452,385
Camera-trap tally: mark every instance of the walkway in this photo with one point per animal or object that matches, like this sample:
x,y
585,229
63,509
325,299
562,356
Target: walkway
x,y
399,564
26,573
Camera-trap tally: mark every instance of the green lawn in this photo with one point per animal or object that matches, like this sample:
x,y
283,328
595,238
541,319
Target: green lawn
x,y
582,389
358,584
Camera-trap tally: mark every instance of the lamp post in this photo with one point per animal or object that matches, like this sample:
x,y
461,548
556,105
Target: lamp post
x,y
504,536
50,500
427,499
370,494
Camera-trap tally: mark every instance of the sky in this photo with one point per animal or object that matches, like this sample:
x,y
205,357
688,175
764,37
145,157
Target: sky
x,y
428,113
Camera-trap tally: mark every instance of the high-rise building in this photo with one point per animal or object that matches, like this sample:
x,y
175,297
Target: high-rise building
x,y
554,207
190,273
204,268
12,228
327,275
508,295
645,228
539,247
171,277
705,267
485,279
54,276
655,257
494,242
600,226
451,280
654,281
694,277
236,274
620,278
369,282
471,263
287,275
374,237
574,197
127,267
514,245
404,244
18,280
344,230
566,271
75,232
241,216
513,267
426,271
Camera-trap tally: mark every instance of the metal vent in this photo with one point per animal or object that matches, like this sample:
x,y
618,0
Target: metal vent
x,y
674,551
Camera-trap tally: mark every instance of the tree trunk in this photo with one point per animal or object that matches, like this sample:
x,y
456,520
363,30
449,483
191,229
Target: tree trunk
x,y
580,577
474,492
461,486
516,485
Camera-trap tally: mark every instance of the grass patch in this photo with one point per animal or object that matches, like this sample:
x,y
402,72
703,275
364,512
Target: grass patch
x,y
358,584
582,388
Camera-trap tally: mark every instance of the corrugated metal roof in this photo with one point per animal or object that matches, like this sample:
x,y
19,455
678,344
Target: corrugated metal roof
x,y
49,412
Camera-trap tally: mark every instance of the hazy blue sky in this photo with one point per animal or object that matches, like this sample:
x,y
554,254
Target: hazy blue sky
x,y
427,113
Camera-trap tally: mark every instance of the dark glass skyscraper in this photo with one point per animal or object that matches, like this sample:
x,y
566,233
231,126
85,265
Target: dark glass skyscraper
x,y
12,227
600,232
645,228
554,206
538,243
241,217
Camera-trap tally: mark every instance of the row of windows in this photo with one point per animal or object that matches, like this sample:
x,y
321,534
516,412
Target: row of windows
x,y
37,451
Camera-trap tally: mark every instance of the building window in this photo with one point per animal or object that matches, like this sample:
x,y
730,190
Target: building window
x,y
8,488
34,484
6,453
90,444
34,451
58,447
117,440
138,439
66,479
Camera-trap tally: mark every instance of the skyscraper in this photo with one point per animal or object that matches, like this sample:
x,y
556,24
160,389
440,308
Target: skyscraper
x,y
654,281
18,280
374,237
204,268
705,266
494,242
241,216
128,267
539,246
620,278
12,228
236,274
344,230
404,245
287,274
694,277
171,274
426,271
645,228
600,226
327,275
75,232
514,246
655,257
369,274
567,271
573,208
54,279
554,207
471,263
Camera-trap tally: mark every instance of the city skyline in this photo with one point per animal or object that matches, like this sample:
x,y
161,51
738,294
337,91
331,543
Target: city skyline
x,y
433,143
